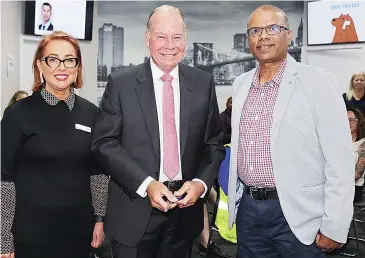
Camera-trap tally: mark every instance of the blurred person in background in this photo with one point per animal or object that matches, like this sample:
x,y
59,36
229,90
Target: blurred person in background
x,y
355,96
20,94
225,118
357,128
53,196
17,96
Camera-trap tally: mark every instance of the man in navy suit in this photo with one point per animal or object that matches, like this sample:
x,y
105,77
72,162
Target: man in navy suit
x,y
46,17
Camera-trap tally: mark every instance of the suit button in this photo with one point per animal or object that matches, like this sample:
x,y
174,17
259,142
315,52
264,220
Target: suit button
x,y
157,173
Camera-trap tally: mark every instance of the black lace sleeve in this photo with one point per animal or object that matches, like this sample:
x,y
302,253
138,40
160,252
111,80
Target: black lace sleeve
x,y
7,216
99,193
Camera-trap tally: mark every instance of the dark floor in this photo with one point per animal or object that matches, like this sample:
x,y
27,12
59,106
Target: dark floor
x,y
231,248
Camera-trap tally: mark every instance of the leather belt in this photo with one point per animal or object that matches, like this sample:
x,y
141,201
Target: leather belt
x,y
262,194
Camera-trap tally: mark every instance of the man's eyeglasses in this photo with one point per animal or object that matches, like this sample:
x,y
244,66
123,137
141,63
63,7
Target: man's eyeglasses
x,y
353,120
54,62
270,30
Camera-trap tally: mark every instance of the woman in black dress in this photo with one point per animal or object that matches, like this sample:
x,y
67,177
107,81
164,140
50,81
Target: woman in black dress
x,y
53,196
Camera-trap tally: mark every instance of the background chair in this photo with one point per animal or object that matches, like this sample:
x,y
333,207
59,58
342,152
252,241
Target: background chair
x,y
359,208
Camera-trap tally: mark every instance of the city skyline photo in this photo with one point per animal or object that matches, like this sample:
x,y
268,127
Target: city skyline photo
x,y
215,22
216,41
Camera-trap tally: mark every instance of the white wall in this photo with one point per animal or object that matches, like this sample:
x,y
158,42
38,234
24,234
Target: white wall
x,y
10,29
28,45
343,60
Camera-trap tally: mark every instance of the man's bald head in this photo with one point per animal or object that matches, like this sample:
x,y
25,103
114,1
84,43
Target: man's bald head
x,y
165,9
166,37
270,8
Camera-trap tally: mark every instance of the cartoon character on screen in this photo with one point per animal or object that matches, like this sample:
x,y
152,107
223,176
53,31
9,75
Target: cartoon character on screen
x,y
46,13
345,29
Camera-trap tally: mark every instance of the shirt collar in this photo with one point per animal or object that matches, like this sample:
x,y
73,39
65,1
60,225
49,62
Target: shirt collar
x,y
52,100
46,25
276,80
157,73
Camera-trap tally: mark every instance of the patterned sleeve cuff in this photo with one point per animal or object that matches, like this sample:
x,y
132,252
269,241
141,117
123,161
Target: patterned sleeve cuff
x,y
99,193
8,199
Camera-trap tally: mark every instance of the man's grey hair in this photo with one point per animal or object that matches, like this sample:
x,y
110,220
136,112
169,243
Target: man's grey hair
x,y
165,9
273,9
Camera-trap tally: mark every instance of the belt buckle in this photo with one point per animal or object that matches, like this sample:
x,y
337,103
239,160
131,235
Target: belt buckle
x,y
170,185
263,194
261,191
252,190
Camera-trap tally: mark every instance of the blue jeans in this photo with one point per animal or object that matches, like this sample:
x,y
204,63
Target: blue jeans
x,y
262,232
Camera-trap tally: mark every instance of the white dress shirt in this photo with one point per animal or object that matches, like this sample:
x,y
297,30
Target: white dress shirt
x,y
158,84
46,25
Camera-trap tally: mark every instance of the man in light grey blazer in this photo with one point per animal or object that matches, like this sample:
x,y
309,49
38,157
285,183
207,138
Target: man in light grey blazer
x,y
291,182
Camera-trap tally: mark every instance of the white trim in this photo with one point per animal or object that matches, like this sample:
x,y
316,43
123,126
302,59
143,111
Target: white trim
x,y
223,205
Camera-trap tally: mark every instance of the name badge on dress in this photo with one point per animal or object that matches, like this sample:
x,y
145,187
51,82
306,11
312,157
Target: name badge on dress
x,y
83,128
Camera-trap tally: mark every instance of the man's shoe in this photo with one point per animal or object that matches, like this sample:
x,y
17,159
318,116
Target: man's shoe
x,y
213,250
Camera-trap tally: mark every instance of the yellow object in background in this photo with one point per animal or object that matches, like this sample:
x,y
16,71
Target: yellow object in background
x,y
221,220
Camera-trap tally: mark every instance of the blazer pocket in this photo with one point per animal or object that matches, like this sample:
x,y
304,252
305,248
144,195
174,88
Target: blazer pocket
x,y
314,185
299,116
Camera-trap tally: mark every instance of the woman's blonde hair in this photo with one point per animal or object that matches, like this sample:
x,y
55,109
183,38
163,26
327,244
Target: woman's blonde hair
x,y
16,95
350,94
57,35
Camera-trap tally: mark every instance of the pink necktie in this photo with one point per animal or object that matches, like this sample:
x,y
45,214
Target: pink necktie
x,y
170,144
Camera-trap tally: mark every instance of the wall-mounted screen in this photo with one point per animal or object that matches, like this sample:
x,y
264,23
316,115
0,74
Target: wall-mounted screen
x,y
336,22
73,17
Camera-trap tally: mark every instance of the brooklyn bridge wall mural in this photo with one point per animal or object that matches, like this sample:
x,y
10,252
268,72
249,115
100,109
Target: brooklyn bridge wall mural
x,y
216,42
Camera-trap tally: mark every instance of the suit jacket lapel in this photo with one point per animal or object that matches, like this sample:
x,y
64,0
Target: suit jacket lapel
x,y
147,101
285,92
186,88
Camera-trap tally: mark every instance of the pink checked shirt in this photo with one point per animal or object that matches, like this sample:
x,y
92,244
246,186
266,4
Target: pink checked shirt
x,y
254,156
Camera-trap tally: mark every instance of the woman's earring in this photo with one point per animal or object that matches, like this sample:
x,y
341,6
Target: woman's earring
x,y
41,77
75,78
